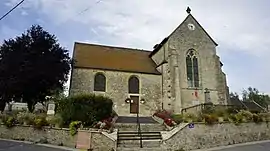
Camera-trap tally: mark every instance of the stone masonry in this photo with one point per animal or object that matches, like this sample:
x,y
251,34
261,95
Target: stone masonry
x,y
177,93
117,89
200,137
168,90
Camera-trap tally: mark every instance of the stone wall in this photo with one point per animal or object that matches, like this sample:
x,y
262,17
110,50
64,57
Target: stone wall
x,y
55,137
27,133
206,136
101,142
200,137
210,73
117,89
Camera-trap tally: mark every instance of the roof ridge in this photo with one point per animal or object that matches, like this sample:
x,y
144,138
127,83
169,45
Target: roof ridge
x,y
110,46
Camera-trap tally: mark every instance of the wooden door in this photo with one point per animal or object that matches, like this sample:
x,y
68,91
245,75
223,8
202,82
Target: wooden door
x,y
134,106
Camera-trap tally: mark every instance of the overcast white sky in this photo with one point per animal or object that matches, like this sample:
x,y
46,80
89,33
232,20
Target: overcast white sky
x,y
241,28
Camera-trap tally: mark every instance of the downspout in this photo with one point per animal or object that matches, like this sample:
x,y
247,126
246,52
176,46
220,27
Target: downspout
x,y
162,81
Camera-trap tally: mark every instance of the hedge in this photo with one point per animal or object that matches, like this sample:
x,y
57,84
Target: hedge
x,y
87,108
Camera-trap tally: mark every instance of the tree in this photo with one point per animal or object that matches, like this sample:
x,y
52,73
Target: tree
x,y
253,94
32,66
234,97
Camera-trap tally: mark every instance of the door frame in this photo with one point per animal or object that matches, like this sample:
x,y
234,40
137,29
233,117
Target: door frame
x,y
136,95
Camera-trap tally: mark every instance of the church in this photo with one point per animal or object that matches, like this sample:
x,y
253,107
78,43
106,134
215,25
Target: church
x,y
182,71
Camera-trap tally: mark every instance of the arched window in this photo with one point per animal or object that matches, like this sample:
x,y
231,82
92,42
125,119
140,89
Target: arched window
x,y
133,85
100,82
192,69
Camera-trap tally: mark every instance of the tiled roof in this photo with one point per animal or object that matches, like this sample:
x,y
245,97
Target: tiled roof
x,y
113,58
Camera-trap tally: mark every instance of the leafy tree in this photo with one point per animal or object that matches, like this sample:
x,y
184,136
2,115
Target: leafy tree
x,y
253,94
32,66
234,96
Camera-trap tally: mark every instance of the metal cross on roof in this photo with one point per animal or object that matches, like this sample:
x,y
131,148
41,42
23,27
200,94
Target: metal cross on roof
x,y
188,10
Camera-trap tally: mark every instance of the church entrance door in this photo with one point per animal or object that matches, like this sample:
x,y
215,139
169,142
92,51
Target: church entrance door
x,y
134,104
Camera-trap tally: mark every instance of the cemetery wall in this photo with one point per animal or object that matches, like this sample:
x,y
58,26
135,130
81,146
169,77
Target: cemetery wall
x,y
53,136
58,137
200,136
208,136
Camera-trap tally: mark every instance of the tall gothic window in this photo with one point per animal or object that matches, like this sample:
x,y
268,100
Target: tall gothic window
x,y
100,82
133,85
192,69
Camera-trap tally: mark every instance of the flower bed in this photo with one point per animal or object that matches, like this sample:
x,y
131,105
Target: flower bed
x,y
107,123
165,117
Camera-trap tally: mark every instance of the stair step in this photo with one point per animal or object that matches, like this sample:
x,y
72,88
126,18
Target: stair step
x,y
138,138
122,136
140,149
136,132
144,127
142,134
136,143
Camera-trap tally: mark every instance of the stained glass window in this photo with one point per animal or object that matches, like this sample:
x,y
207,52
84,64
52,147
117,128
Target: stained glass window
x,y
192,69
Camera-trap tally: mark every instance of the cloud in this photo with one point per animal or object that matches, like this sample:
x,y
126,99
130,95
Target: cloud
x,y
239,27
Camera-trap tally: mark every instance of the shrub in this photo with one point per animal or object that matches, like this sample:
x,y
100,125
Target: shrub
x,y
87,108
265,116
26,118
1,118
178,118
226,117
210,118
221,112
39,122
55,120
232,110
232,118
257,118
9,121
73,126
239,118
208,108
246,115
189,117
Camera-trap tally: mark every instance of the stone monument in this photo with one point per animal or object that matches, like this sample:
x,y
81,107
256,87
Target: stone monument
x,y
51,108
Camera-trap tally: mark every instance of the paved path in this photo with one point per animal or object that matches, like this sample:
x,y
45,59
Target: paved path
x,y
253,146
19,146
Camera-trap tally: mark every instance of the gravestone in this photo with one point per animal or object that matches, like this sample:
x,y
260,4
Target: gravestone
x,y
51,108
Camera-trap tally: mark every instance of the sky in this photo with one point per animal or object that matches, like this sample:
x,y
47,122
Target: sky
x,y
241,28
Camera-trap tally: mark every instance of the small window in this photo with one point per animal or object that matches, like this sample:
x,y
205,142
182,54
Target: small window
x,y
133,85
100,82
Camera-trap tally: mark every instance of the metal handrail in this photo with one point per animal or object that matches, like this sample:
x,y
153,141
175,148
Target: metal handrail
x,y
139,127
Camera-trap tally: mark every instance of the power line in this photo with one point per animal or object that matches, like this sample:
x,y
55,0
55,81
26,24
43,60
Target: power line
x,y
12,9
86,9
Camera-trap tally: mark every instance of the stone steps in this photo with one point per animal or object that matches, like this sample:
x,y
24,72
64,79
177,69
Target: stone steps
x,y
132,139
140,149
137,136
136,143
144,127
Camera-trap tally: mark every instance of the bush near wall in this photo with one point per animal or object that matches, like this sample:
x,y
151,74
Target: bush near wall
x,y
212,116
87,108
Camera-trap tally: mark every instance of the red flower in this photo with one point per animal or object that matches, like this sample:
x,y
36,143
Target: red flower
x,y
169,121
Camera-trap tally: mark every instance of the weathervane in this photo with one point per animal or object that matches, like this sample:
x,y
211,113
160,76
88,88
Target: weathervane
x,y
188,10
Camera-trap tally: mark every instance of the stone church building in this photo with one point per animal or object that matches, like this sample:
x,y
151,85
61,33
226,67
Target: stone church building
x,y
181,71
